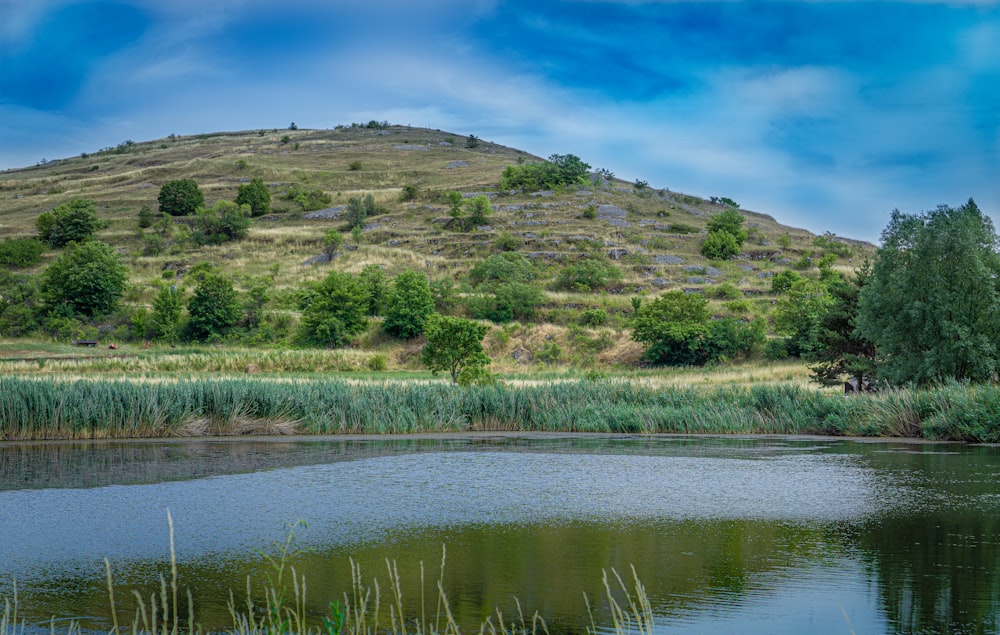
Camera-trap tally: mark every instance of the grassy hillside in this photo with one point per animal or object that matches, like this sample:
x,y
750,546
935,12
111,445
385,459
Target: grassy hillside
x,y
652,235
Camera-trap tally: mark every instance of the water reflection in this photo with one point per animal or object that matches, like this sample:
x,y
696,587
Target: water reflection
x,y
728,535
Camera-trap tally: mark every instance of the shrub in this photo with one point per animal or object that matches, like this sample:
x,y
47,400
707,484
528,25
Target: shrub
x,y
508,301
509,266
256,195
593,317
333,311
479,212
508,242
214,309
180,197
559,171
472,141
221,223
783,281
75,221
587,276
333,240
720,245
21,252
409,193
454,345
409,305
375,285
724,291
88,278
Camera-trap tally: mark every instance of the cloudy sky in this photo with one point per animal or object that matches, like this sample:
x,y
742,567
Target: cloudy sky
x,y
826,114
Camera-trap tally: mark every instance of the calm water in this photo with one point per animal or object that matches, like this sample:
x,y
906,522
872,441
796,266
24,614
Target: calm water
x,y
729,535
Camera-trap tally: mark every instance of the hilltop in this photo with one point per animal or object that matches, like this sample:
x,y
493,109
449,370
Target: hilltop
x,y
651,234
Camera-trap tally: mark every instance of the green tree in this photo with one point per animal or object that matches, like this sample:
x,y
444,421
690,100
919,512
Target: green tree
x,y
21,252
932,304
409,305
356,212
333,311
509,266
19,304
479,212
838,348
88,278
588,275
165,319
145,217
256,195
180,197
800,313
214,309
333,240
223,222
375,284
453,345
75,221
725,235
559,171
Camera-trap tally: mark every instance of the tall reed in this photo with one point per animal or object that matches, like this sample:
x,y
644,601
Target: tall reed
x,y
46,408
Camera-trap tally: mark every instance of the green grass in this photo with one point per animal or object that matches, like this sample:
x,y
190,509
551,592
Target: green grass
x,y
60,408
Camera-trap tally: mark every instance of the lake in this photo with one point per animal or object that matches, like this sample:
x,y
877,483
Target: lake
x,y
745,535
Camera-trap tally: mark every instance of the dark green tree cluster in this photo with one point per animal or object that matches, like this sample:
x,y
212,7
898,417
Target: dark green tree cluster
x,y
75,221
223,222
932,303
334,310
561,170
454,345
21,252
725,236
409,305
505,289
588,275
88,279
256,195
679,330
180,197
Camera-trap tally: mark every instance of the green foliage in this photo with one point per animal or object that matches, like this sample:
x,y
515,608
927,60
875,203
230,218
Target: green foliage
x,y
509,266
678,331
724,291
507,301
589,212
256,195
19,304
508,242
409,305
586,276
214,309
725,235
21,252
355,166
720,246
308,200
560,170
333,240
180,197
409,193
88,278
480,211
593,317
375,285
377,363
830,244
798,314
783,281
333,311
453,345
932,304
75,221
145,216
472,141
445,294
784,241
223,222
165,319
355,214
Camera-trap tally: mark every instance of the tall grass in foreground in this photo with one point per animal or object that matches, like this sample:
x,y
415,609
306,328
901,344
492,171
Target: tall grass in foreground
x,y
48,408
280,607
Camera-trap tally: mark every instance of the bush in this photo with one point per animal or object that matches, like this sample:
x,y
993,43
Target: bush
x,y
720,245
409,193
145,217
455,345
180,197
509,266
559,171
75,221
587,276
724,291
509,301
593,317
783,281
508,242
472,141
21,252
214,309
256,195
88,278
333,311
221,223
409,305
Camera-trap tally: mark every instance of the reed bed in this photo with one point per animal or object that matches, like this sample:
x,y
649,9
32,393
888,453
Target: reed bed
x,y
62,408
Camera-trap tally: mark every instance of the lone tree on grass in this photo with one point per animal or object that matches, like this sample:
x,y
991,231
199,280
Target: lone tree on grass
x,y
256,195
75,221
454,345
180,197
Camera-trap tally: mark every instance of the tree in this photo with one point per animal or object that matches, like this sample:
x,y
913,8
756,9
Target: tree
x,y
838,348
221,223
932,304
479,212
678,329
88,278
333,311
725,235
333,240
214,309
256,195
509,266
559,171
75,221
180,197
409,305
356,212
164,321
453,345
376,287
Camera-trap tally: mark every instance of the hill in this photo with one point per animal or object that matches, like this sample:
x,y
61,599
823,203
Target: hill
x,y
651,236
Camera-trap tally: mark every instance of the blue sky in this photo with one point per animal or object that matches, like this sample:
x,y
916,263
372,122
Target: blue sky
x,y
825,114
